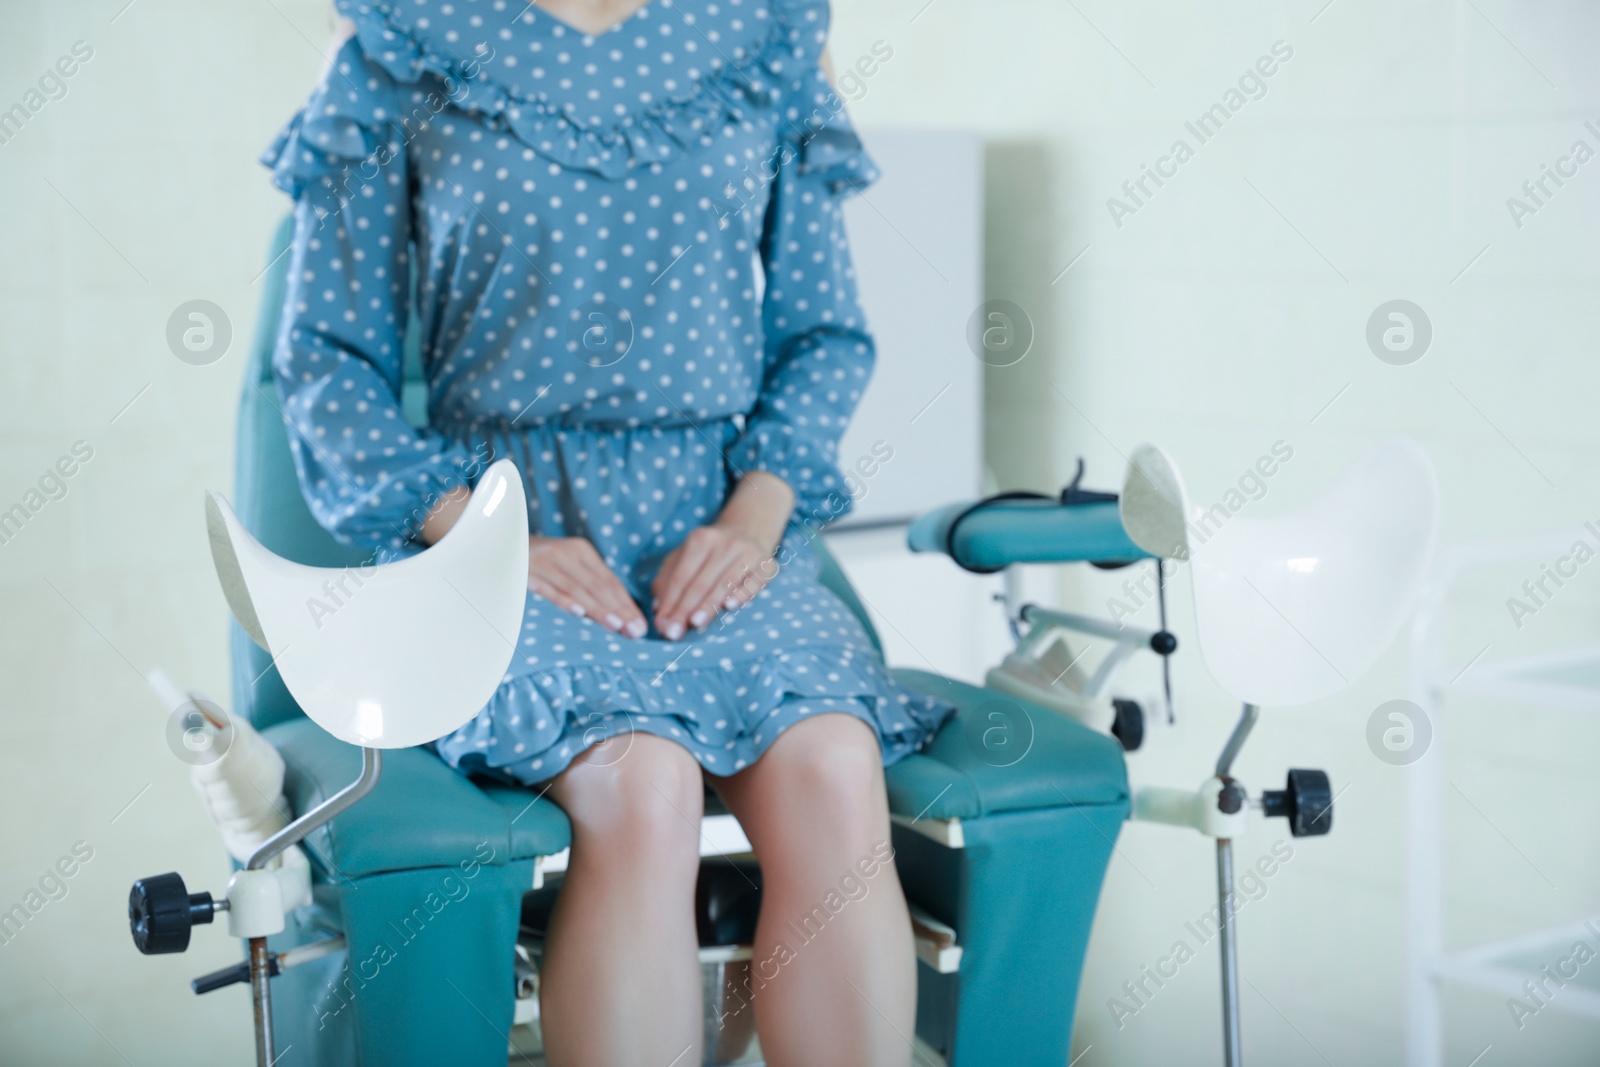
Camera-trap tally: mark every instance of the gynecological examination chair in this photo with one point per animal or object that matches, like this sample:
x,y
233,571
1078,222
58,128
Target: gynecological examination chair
x,y
424,877
1289,609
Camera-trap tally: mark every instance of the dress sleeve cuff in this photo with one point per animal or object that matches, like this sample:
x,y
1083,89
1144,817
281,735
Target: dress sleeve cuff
x,y
387,516
820,493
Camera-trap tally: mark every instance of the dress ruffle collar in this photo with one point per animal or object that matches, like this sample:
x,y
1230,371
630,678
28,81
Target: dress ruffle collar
x,y
754,54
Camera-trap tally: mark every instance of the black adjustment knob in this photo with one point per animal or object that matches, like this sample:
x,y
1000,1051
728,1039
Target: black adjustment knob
x,y
1127,725
1231,799
1163,642
1306,801
161,911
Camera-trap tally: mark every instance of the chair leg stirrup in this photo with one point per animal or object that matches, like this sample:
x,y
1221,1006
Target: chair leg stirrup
x,y
300,829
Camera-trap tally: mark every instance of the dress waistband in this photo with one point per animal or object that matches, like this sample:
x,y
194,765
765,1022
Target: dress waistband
x,y
524,445
567,424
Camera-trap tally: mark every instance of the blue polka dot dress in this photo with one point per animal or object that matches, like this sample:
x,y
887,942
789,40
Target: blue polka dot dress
x,y
631,278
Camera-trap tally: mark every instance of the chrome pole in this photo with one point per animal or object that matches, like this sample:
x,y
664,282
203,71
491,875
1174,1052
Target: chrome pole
x,y
1230,956
261,1000
1228,943
293,834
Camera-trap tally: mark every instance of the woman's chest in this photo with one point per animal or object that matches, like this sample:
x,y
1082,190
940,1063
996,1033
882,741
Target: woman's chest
x,y
477,190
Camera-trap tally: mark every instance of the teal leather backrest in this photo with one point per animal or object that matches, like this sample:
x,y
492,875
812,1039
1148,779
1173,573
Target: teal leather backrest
x,y
267,497
268,500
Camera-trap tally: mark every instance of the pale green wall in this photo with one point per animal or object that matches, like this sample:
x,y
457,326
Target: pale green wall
x,y
1391,141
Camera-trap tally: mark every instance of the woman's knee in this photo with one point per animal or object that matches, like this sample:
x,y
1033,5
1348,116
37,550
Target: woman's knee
x,y
642,795
827,772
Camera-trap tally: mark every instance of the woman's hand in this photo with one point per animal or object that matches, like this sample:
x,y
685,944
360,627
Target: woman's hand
x,y
724,565
568,572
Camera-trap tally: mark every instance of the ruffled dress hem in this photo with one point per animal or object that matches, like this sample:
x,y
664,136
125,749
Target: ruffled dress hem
x,y
537,724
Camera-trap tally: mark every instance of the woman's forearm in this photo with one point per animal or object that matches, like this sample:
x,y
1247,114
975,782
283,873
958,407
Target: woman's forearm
x,y
444,515
758,509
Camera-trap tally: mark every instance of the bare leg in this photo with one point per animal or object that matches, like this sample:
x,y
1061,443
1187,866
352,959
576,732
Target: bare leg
x,y
835,969
621,978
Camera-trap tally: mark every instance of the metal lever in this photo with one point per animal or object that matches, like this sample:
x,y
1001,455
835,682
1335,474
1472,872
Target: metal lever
x,y
227,976
277,964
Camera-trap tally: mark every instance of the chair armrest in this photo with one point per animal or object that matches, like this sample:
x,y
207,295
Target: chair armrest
x,y
537,825
1056,762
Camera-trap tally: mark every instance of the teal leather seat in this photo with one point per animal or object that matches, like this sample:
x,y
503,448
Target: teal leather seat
x,y
425,876
414,785
944,781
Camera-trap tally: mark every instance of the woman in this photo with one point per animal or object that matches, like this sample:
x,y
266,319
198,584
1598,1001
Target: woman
x,y
622,227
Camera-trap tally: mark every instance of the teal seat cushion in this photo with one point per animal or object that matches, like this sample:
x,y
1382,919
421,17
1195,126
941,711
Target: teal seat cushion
x,y
1000,754
1026,531
423,814
537,825
420,814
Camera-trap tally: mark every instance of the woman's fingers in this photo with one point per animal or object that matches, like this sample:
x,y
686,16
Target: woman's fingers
x,y
711,571
671,584
712,586
738,584
731,572
665,588
659,584
746,580
569,572
614,608
556,589
688,602
548,578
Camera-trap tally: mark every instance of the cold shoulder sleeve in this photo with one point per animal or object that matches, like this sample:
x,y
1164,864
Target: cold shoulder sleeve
x,y
368,475
818,352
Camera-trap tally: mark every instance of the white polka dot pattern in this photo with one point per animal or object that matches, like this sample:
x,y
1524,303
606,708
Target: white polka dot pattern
x,y
724,693
631,276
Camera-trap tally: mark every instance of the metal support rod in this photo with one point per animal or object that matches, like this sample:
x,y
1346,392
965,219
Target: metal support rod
x,y
293,834
1236,740
1035,615
300,829
1230,955
1228,943
261,1000
1010,599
